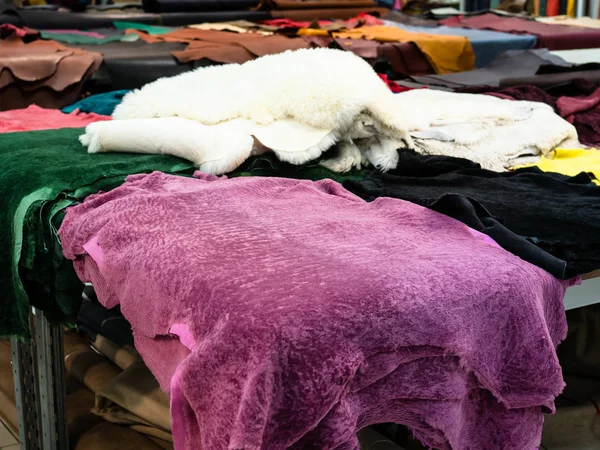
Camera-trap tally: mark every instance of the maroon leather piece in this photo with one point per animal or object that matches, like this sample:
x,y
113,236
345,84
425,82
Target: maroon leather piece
x,y
550,36
316,4
325,14
405,58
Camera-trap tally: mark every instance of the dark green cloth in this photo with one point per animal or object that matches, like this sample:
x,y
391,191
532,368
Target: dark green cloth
x,y
42,173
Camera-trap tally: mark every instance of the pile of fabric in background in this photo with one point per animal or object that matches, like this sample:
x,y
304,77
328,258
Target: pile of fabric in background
x,y
135,53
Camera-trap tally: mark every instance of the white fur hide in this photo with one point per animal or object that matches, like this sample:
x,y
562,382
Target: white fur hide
x,y
297,103
301,103
496,133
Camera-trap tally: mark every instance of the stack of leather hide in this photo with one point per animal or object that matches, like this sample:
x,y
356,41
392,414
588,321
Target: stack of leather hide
x,y
44,73
223,46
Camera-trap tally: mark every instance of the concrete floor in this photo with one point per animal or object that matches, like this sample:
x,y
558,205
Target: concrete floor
x,y
574,427
7,440
576,424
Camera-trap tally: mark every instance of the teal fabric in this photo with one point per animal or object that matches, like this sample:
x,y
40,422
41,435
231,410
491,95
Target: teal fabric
x,y
150,29
82,39
44,172
103,104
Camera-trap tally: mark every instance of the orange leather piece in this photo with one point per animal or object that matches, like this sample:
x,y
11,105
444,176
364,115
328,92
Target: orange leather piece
x,y
446,54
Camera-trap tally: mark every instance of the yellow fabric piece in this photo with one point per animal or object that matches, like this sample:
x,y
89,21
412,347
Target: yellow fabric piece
x,y
446,54
571,8
571,161
312,32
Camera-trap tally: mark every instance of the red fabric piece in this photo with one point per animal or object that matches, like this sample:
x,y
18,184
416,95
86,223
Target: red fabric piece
x,y
7,30
363,19
394,87
553,8
584,113
36,118
288,23
567,106
550,36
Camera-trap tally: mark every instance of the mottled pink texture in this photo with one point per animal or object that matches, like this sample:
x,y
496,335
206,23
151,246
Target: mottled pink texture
x,y
484,237
35,118
183,333
180,409
93,249
316,314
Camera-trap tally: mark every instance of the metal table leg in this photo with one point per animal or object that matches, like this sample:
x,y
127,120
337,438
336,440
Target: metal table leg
x,y
27,395
51,379
39,377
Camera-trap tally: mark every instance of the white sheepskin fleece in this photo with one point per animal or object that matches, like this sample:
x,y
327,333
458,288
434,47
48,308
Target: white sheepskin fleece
x,y
301,103
496,133
297,103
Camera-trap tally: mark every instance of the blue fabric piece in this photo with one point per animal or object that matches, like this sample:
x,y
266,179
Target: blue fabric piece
x,y
486,44
103,104
386,3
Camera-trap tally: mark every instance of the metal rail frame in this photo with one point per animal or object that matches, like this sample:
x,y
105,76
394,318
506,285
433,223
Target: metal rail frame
x,y
26,389
52,387
39,377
